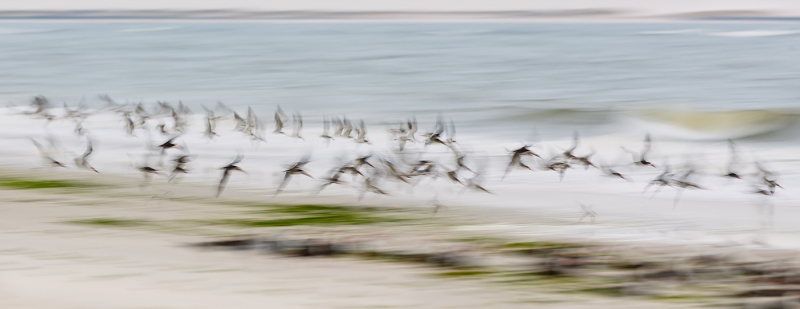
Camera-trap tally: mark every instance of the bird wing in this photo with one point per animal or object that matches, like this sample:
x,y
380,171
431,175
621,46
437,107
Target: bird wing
x,y
283,184
439,125
451,132
362,131
238,159
42,151
574,143
339,126
222,182
646,147
88,149
412,126
304,160
278,122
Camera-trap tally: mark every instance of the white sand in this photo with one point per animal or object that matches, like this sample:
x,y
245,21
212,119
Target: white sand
x,y
45,263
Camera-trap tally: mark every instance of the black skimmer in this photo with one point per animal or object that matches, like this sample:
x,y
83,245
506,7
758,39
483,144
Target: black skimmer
x,y
46,155
608,171
82,161
682,183
347,128
209,133
161,128
297,168
567,154
369,187
169,144
516,159
641,157
771,184
451,133
412,129
734,162
472,184
79,130
179,123
129,125
297,125
363,160
336,174
226,173
279,116
326,128
584,160
557,165
662,180
241,124
459,156
453,175
40,105
147,170
361,138
436,135
339,126
180,166
393,173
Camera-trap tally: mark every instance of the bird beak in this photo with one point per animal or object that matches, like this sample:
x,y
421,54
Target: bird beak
x,y
241,170
653,165
779,186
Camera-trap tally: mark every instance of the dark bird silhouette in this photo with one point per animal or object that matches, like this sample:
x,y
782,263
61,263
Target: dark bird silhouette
x,y
559,166
567,154
734,161
608,171
362,134
297,168
46,155
370,187
226,173
170,143
209,132
682,183
180,166
640,158
662,180
516,159
326,128
82,161
333,179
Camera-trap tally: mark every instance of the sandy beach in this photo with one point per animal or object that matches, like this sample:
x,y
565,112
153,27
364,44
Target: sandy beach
x,y
61,249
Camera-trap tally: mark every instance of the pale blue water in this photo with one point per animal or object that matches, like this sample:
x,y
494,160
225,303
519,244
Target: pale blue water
x,y
495,71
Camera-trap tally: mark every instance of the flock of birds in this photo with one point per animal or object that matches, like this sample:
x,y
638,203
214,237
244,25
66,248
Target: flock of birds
x,y
364,171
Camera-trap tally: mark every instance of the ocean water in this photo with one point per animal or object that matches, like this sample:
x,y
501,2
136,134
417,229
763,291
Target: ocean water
x,y
562,77
691,86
